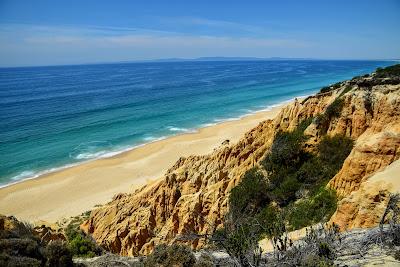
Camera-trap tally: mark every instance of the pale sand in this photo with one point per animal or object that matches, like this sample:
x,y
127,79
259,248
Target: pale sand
x,y
74,190
390,175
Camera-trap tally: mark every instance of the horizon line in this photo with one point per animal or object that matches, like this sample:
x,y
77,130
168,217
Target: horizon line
x,y
202,59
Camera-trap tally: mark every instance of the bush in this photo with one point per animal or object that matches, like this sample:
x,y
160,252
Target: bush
x,y
79,244
324,250
58,254
318,208
205,260
315,261
239,238
288,195
331,112
334,150
286,151
311,172
273,221
397,255
158,257
83,246
71,231
286,191
346,90
250,194
18,261
174,255
335,108
330,88
388,71
22,247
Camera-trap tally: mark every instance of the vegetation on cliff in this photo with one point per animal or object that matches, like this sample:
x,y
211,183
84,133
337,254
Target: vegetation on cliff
x,y
80,244
24,245
286,192
20,246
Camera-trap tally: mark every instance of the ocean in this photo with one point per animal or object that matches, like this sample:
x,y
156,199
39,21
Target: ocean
x,y
58,116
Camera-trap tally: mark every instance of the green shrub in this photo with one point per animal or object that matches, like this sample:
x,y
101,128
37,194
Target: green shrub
x,y
18,261
158,257
397,255
58,254
83,246
346,90
72,230
22,247
318,208
332,111
205,260
286,151
330,88
311,172
334,150
174,255
273,221
250,194
268,215
286,191
313,260
289,193
335,108
388,71
239,238
298,215
325,89
324,204
79,244
324,250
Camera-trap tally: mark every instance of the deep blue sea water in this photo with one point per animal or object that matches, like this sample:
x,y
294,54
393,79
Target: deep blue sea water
x,y
56,116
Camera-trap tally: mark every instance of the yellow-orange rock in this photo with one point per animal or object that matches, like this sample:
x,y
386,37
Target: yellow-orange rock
x,y
192,196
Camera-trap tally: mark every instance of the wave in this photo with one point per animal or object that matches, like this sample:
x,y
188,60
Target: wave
x,y
179,129
29,175
94,150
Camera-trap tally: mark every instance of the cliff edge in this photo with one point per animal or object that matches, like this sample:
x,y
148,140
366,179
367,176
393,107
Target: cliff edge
x,y
192,195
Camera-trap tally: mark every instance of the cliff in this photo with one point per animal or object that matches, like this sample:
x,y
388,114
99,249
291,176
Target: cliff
x,y
192,195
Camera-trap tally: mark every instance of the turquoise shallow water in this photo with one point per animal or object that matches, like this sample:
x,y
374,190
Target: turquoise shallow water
x,y
52,117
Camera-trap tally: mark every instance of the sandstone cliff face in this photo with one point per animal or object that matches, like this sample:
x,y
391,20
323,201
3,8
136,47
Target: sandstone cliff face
x,y
192,196
375,124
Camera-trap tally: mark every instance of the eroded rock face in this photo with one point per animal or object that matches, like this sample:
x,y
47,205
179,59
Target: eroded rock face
x,y
377,134
192,196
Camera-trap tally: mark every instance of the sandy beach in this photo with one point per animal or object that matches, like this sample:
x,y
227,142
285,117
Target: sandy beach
x,y
74,190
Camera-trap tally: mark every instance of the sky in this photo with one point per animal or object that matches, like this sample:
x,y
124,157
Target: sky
x,y
57,32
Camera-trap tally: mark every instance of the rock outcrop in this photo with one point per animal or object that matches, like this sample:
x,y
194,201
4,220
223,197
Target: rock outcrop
x,y
192,196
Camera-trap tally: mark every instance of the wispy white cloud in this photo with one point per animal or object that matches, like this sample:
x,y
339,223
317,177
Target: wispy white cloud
x,y
43,44
218,25
37,34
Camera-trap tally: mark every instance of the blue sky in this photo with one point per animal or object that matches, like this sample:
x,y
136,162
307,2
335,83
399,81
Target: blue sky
x,y
73,32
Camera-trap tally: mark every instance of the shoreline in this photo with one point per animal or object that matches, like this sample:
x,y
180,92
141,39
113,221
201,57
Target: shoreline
x,y
114,153
72,190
